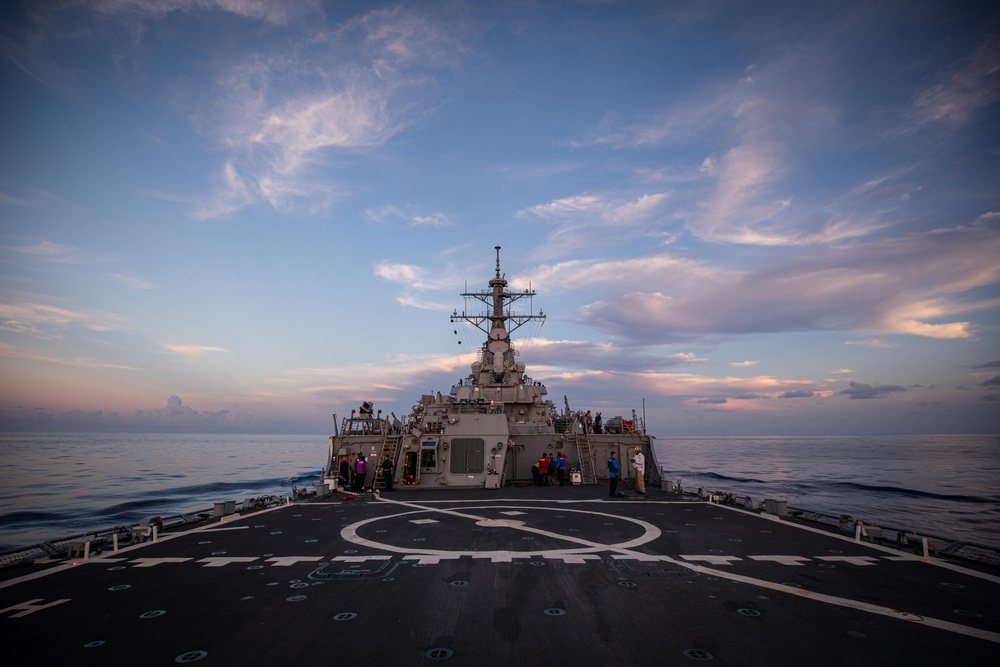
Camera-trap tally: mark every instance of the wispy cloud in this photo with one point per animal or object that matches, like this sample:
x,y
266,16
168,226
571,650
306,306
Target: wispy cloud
x,y
12,352
52,322
761,131
413,302
277,13
376,82
193,351
283,117
131,281
578,219
390,214
48,251
873,343
11,200
231,194
371,381
701,112
643,270
416,277
121,25
743,197
606,209
295,132
961,92
913,285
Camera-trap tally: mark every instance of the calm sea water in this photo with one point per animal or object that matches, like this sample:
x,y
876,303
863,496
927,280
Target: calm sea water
x,y
944,485
59,484
55,485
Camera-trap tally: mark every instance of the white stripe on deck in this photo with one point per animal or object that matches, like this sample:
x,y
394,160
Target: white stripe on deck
x,y
625,549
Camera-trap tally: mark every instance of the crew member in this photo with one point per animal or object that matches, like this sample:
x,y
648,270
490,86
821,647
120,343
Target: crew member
x,y
360,472
639,461
614,470
387,473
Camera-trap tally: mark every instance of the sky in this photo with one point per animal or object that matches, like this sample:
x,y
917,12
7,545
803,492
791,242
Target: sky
x,y
767,218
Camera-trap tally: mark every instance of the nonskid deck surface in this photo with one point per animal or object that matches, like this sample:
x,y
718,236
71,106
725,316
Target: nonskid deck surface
x,y
517,576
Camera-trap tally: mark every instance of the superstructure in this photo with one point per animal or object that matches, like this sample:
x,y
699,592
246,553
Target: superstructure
x,y
493,425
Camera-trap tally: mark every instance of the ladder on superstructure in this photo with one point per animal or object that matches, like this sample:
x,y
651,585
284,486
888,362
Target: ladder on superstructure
x,y
390,444
588,472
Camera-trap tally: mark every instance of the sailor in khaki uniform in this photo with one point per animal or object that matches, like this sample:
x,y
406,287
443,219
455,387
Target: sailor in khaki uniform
x,y
639,461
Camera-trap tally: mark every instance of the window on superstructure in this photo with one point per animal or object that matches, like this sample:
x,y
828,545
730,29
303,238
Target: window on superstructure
x,y
428,455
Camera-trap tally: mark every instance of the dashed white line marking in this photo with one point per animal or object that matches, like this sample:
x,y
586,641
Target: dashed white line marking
x,y
286,561
222,561
784,560
861,561
713,560
151,562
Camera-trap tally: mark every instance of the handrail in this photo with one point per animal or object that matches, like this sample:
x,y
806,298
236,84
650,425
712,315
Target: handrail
x,y
60,545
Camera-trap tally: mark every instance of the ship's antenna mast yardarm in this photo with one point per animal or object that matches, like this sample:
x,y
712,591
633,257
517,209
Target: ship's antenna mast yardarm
x,y
498,321
499,314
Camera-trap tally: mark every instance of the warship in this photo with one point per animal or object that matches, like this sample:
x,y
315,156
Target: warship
x,y
459,554
492,427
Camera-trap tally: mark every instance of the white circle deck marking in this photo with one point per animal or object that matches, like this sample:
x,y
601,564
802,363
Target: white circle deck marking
x,y
509,523
650,533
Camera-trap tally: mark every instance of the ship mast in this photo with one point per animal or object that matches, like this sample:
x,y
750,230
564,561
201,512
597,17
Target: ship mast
x,y
499,315
498,321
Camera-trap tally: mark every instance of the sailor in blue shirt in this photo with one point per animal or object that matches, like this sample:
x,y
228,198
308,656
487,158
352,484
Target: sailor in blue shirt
x,y
614,471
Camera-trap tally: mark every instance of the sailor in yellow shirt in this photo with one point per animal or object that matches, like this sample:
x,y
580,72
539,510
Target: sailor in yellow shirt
x,y
639,461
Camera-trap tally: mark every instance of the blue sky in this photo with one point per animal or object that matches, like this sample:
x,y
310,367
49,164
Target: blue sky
x,y
747,218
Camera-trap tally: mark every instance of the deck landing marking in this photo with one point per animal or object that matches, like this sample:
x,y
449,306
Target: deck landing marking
x,y
287,561
852,604
712,560
349,533
893,554
498,523
784,560
30,607
853,560
150,562
359,559
427,556
226,560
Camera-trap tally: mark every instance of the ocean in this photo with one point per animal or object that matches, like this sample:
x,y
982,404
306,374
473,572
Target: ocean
x,y
57,485
61,484
938,485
